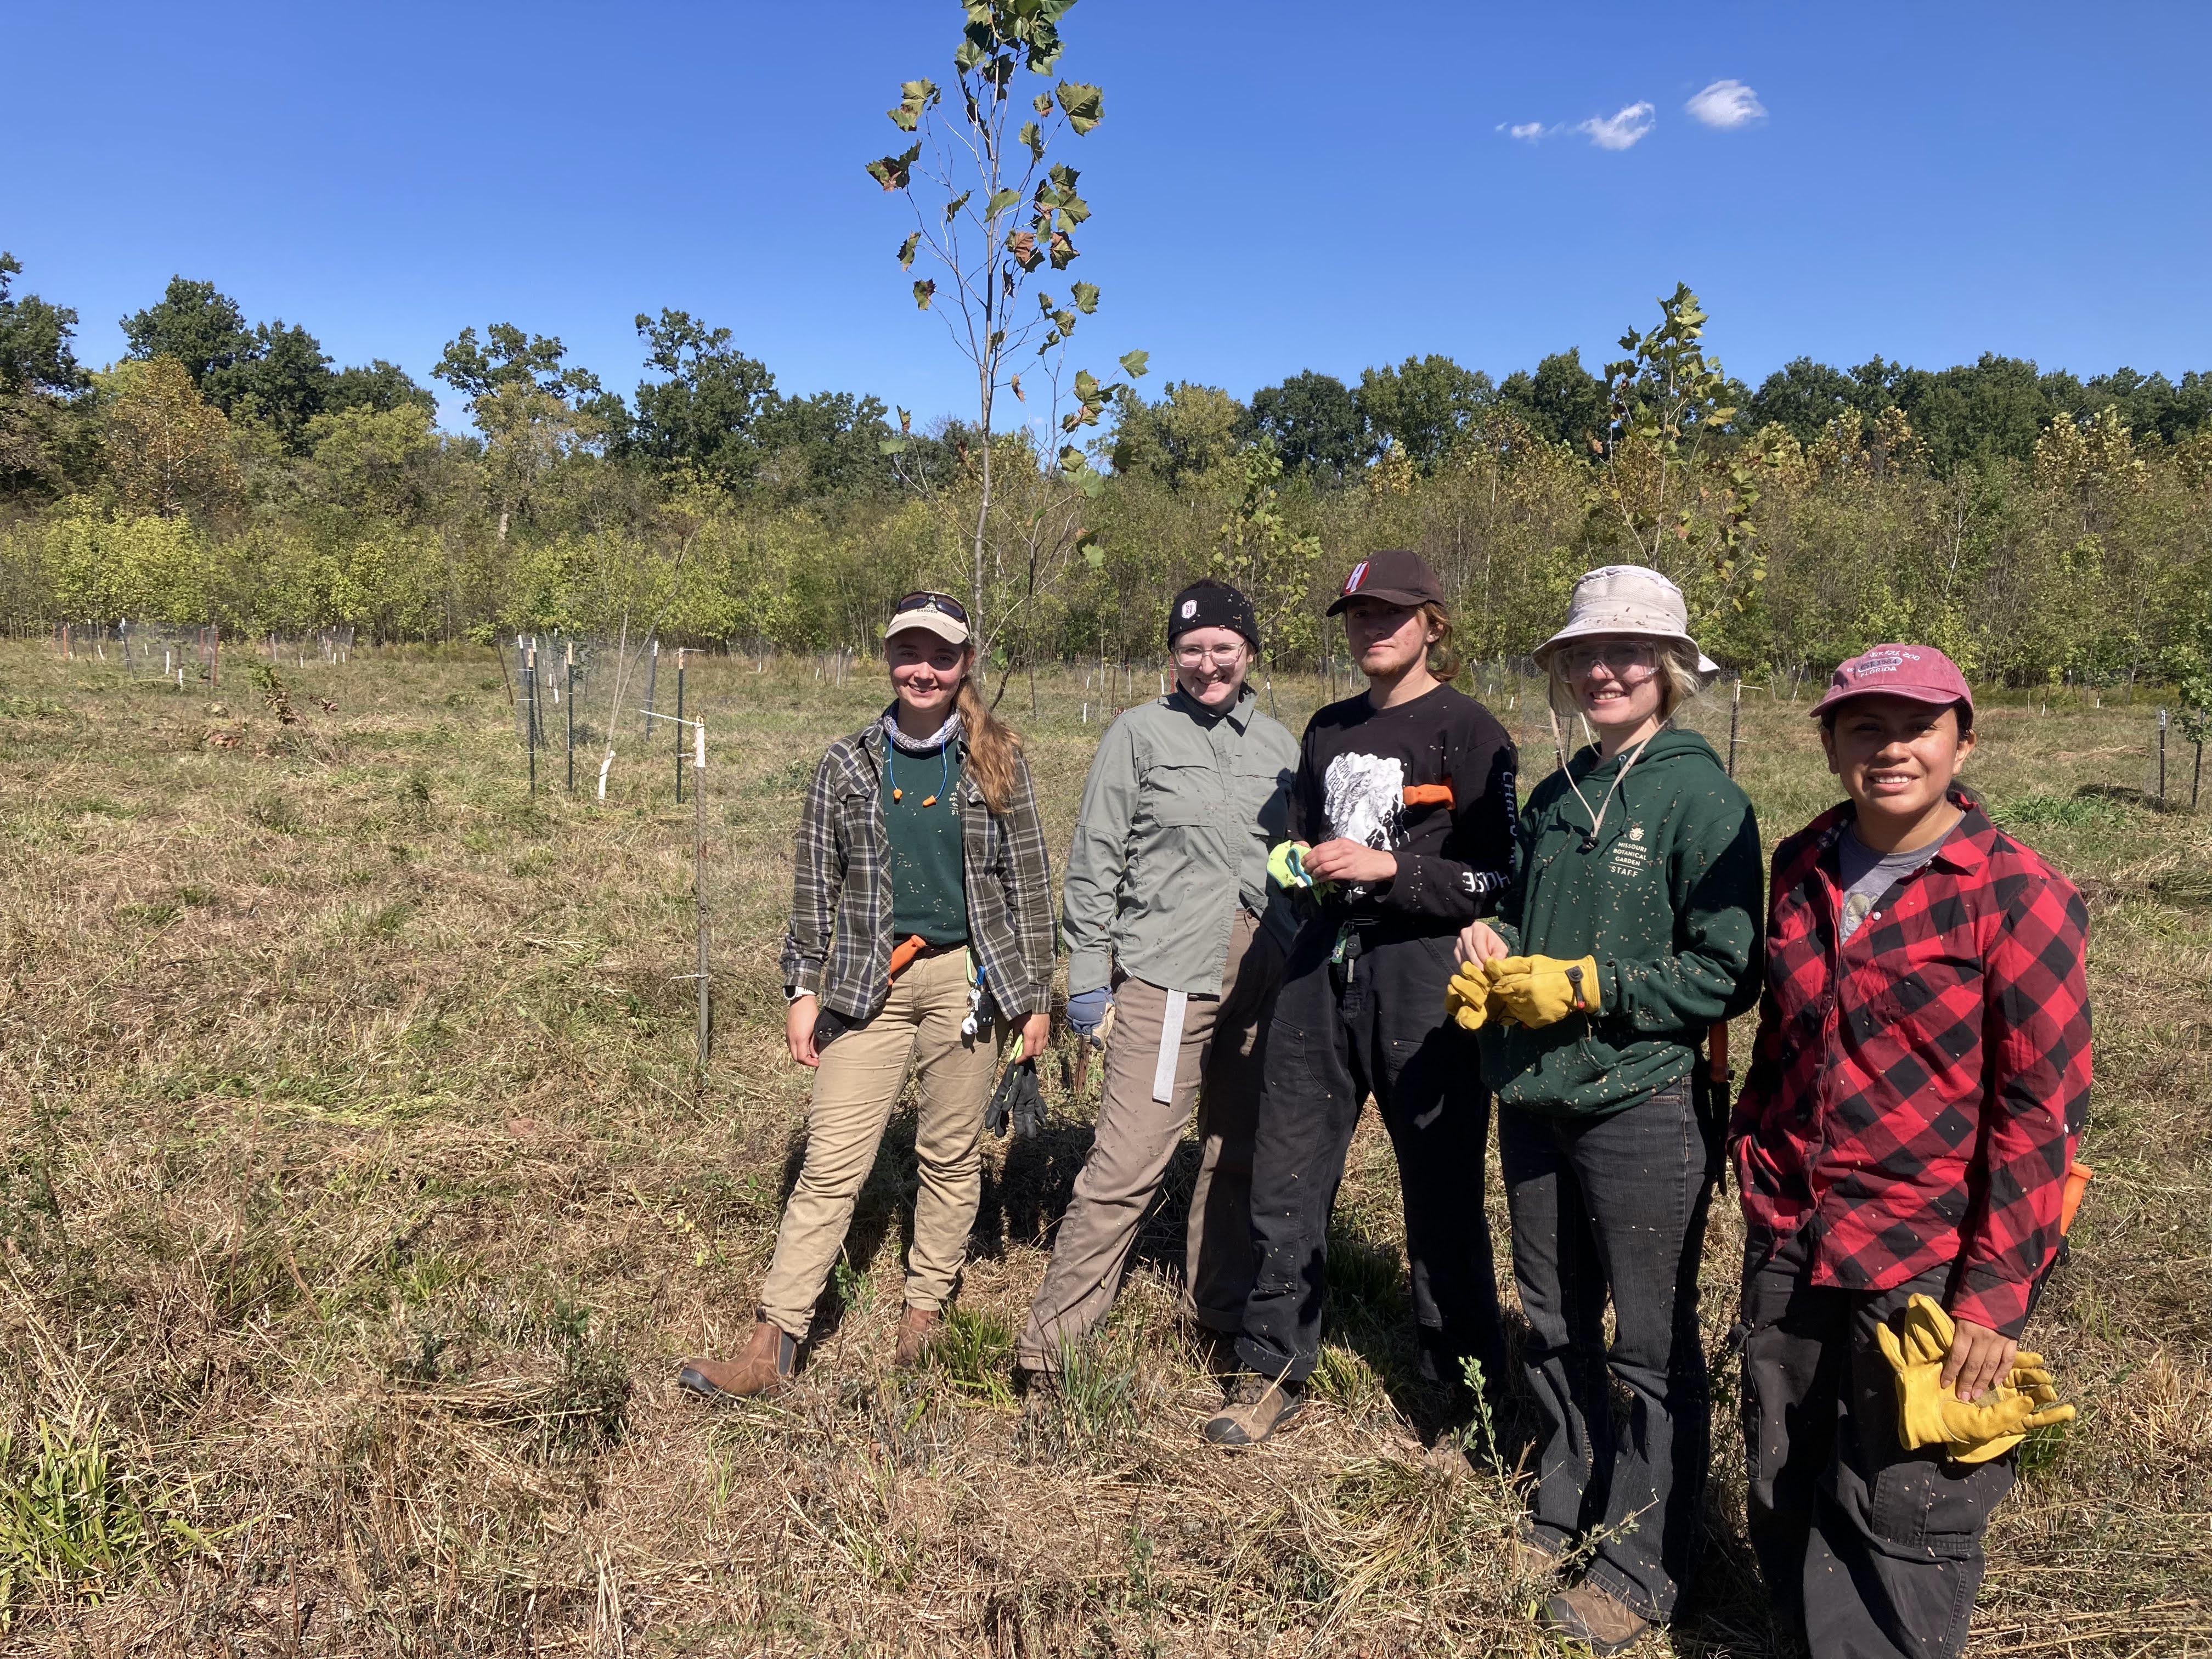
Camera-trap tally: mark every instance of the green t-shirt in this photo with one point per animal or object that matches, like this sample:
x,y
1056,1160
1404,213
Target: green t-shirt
x,y
929,891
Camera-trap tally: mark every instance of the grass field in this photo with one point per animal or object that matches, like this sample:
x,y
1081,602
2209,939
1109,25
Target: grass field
x,y
358,1196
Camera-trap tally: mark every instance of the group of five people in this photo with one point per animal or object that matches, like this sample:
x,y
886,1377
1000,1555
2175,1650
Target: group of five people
x,y
1273,931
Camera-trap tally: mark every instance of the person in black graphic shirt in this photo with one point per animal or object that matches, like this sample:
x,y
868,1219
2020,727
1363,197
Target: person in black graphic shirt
x,y
1402,818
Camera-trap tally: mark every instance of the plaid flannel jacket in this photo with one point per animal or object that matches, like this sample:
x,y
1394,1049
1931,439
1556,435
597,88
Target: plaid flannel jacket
x,y
839,945
1916,1092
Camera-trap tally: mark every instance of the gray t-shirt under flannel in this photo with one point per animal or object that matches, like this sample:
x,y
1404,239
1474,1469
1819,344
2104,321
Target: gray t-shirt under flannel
x,y
1867,874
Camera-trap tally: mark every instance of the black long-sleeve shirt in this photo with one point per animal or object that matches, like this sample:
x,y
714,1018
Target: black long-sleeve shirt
x,y
1376,777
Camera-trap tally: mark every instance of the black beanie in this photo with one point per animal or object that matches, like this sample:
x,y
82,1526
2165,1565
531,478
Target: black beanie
x,y
1211,604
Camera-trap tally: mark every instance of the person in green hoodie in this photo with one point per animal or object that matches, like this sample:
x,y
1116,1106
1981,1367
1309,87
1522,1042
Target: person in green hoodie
x,y
1632,927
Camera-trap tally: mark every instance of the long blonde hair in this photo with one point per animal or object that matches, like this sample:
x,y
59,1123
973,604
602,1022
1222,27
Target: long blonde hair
x,y
994,749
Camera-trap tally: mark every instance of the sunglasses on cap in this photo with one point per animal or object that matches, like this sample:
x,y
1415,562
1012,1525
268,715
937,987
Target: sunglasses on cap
x,y
926,600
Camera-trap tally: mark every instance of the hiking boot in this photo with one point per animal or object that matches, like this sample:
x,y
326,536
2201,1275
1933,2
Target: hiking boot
x,y
1258,1406
917,1329
1587,1614
764,1367
1532,1560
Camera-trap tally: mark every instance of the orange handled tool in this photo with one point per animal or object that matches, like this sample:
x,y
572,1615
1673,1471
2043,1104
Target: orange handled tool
x,y
2078,1177
905,951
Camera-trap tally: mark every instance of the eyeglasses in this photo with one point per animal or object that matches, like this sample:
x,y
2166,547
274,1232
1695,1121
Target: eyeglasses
x,y
1616,654
927,600
1189,656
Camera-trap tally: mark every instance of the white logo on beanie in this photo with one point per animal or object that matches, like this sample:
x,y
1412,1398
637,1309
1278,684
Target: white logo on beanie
x,y
1189,609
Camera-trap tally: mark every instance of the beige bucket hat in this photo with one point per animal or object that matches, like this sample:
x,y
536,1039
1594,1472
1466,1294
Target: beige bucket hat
x,y
1628,598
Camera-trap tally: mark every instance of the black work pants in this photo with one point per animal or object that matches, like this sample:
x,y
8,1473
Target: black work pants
x,y
1372,1023
1869,1551
1616,1204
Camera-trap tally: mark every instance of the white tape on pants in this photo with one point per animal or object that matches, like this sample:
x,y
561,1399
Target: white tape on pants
x,y
1164,1071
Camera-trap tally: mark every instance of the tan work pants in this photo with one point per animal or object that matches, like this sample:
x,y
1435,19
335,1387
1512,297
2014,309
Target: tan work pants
x,y
857,1085
1136,1140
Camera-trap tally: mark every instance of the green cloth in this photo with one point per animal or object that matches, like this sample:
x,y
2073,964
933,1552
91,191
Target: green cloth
x,y
929,890
1178,813
1669,902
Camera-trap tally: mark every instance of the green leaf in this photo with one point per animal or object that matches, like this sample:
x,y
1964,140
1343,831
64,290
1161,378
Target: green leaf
x,y
1042,103
1086,297
1085,105
1064,252
1064,321
891,446
1086,386
906,250
1000,201
914,99
1064,176
1033,136
1134,364
923,290
953,207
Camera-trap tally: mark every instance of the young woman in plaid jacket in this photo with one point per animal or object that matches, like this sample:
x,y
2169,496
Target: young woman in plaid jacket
x,y
1917,1089
920,919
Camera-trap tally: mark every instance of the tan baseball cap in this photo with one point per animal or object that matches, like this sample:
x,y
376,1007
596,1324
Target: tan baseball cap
x,y
936,613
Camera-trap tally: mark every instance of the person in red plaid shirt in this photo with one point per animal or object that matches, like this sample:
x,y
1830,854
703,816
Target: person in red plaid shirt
x,y
1916,1092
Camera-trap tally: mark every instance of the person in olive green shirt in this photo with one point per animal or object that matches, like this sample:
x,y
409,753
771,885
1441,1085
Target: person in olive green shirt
x,y
1632,929
1168,919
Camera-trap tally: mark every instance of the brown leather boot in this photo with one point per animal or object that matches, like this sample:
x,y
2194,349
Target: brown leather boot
x,y
1587,1614
917,1329
764,1367
1256,1408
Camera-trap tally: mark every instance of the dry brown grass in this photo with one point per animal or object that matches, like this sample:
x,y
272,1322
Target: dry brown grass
x,y
356,1176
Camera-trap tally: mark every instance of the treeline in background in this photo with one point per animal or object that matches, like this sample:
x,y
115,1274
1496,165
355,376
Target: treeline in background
x,y
2043,528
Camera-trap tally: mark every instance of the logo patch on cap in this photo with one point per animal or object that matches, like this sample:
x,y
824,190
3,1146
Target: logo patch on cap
x,y
1189,609
1359,575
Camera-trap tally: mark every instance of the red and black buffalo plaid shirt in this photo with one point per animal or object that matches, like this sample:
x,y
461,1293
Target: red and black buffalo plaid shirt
x,y
1918,1092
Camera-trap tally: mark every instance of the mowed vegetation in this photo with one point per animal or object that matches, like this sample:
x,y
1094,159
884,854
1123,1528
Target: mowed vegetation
x,y
358,1196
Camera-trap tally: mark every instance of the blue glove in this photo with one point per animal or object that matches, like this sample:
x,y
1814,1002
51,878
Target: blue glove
x,y
1086,1009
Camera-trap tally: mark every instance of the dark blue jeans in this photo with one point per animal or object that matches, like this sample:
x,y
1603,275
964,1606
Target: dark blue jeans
x,y
1616,1206
1374,1025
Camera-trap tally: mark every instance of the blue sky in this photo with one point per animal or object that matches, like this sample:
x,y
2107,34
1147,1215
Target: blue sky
x,y
1277,186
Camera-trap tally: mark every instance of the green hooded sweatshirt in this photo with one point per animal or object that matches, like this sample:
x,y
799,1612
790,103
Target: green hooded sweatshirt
x,y
1668,900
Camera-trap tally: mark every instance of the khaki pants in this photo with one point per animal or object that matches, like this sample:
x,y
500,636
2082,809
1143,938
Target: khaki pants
x,y
1136,1140
859,1081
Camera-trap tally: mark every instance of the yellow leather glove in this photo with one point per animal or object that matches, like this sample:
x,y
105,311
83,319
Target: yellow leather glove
x,y
1286,864
1540,990
1467,996
1927,1414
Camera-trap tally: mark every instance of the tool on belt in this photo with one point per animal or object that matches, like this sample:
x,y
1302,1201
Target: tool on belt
x,y
829,1025
1016,1101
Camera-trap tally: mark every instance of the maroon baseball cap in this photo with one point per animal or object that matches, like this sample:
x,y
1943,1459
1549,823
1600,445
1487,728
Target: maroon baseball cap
x,y
1393,575
1919,671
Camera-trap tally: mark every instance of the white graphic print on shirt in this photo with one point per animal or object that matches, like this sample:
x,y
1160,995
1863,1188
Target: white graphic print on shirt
x,y
1364,796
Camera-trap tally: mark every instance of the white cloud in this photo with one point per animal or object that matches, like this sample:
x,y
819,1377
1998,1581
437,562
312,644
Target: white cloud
x,y
1618,131
1726,104
1531,130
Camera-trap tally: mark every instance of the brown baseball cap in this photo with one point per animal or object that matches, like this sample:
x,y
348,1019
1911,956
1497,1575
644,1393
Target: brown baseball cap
x,y
1393,575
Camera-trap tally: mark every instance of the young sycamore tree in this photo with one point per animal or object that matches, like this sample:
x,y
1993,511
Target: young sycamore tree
x,y
1665,400
992,212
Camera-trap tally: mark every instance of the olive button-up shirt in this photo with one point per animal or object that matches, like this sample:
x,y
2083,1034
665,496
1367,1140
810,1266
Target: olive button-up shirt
x,y
1178,814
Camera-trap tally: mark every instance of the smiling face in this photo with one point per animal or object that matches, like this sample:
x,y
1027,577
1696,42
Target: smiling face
x,y
925,672
1617,680
1388,639
1211,664
1897,757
